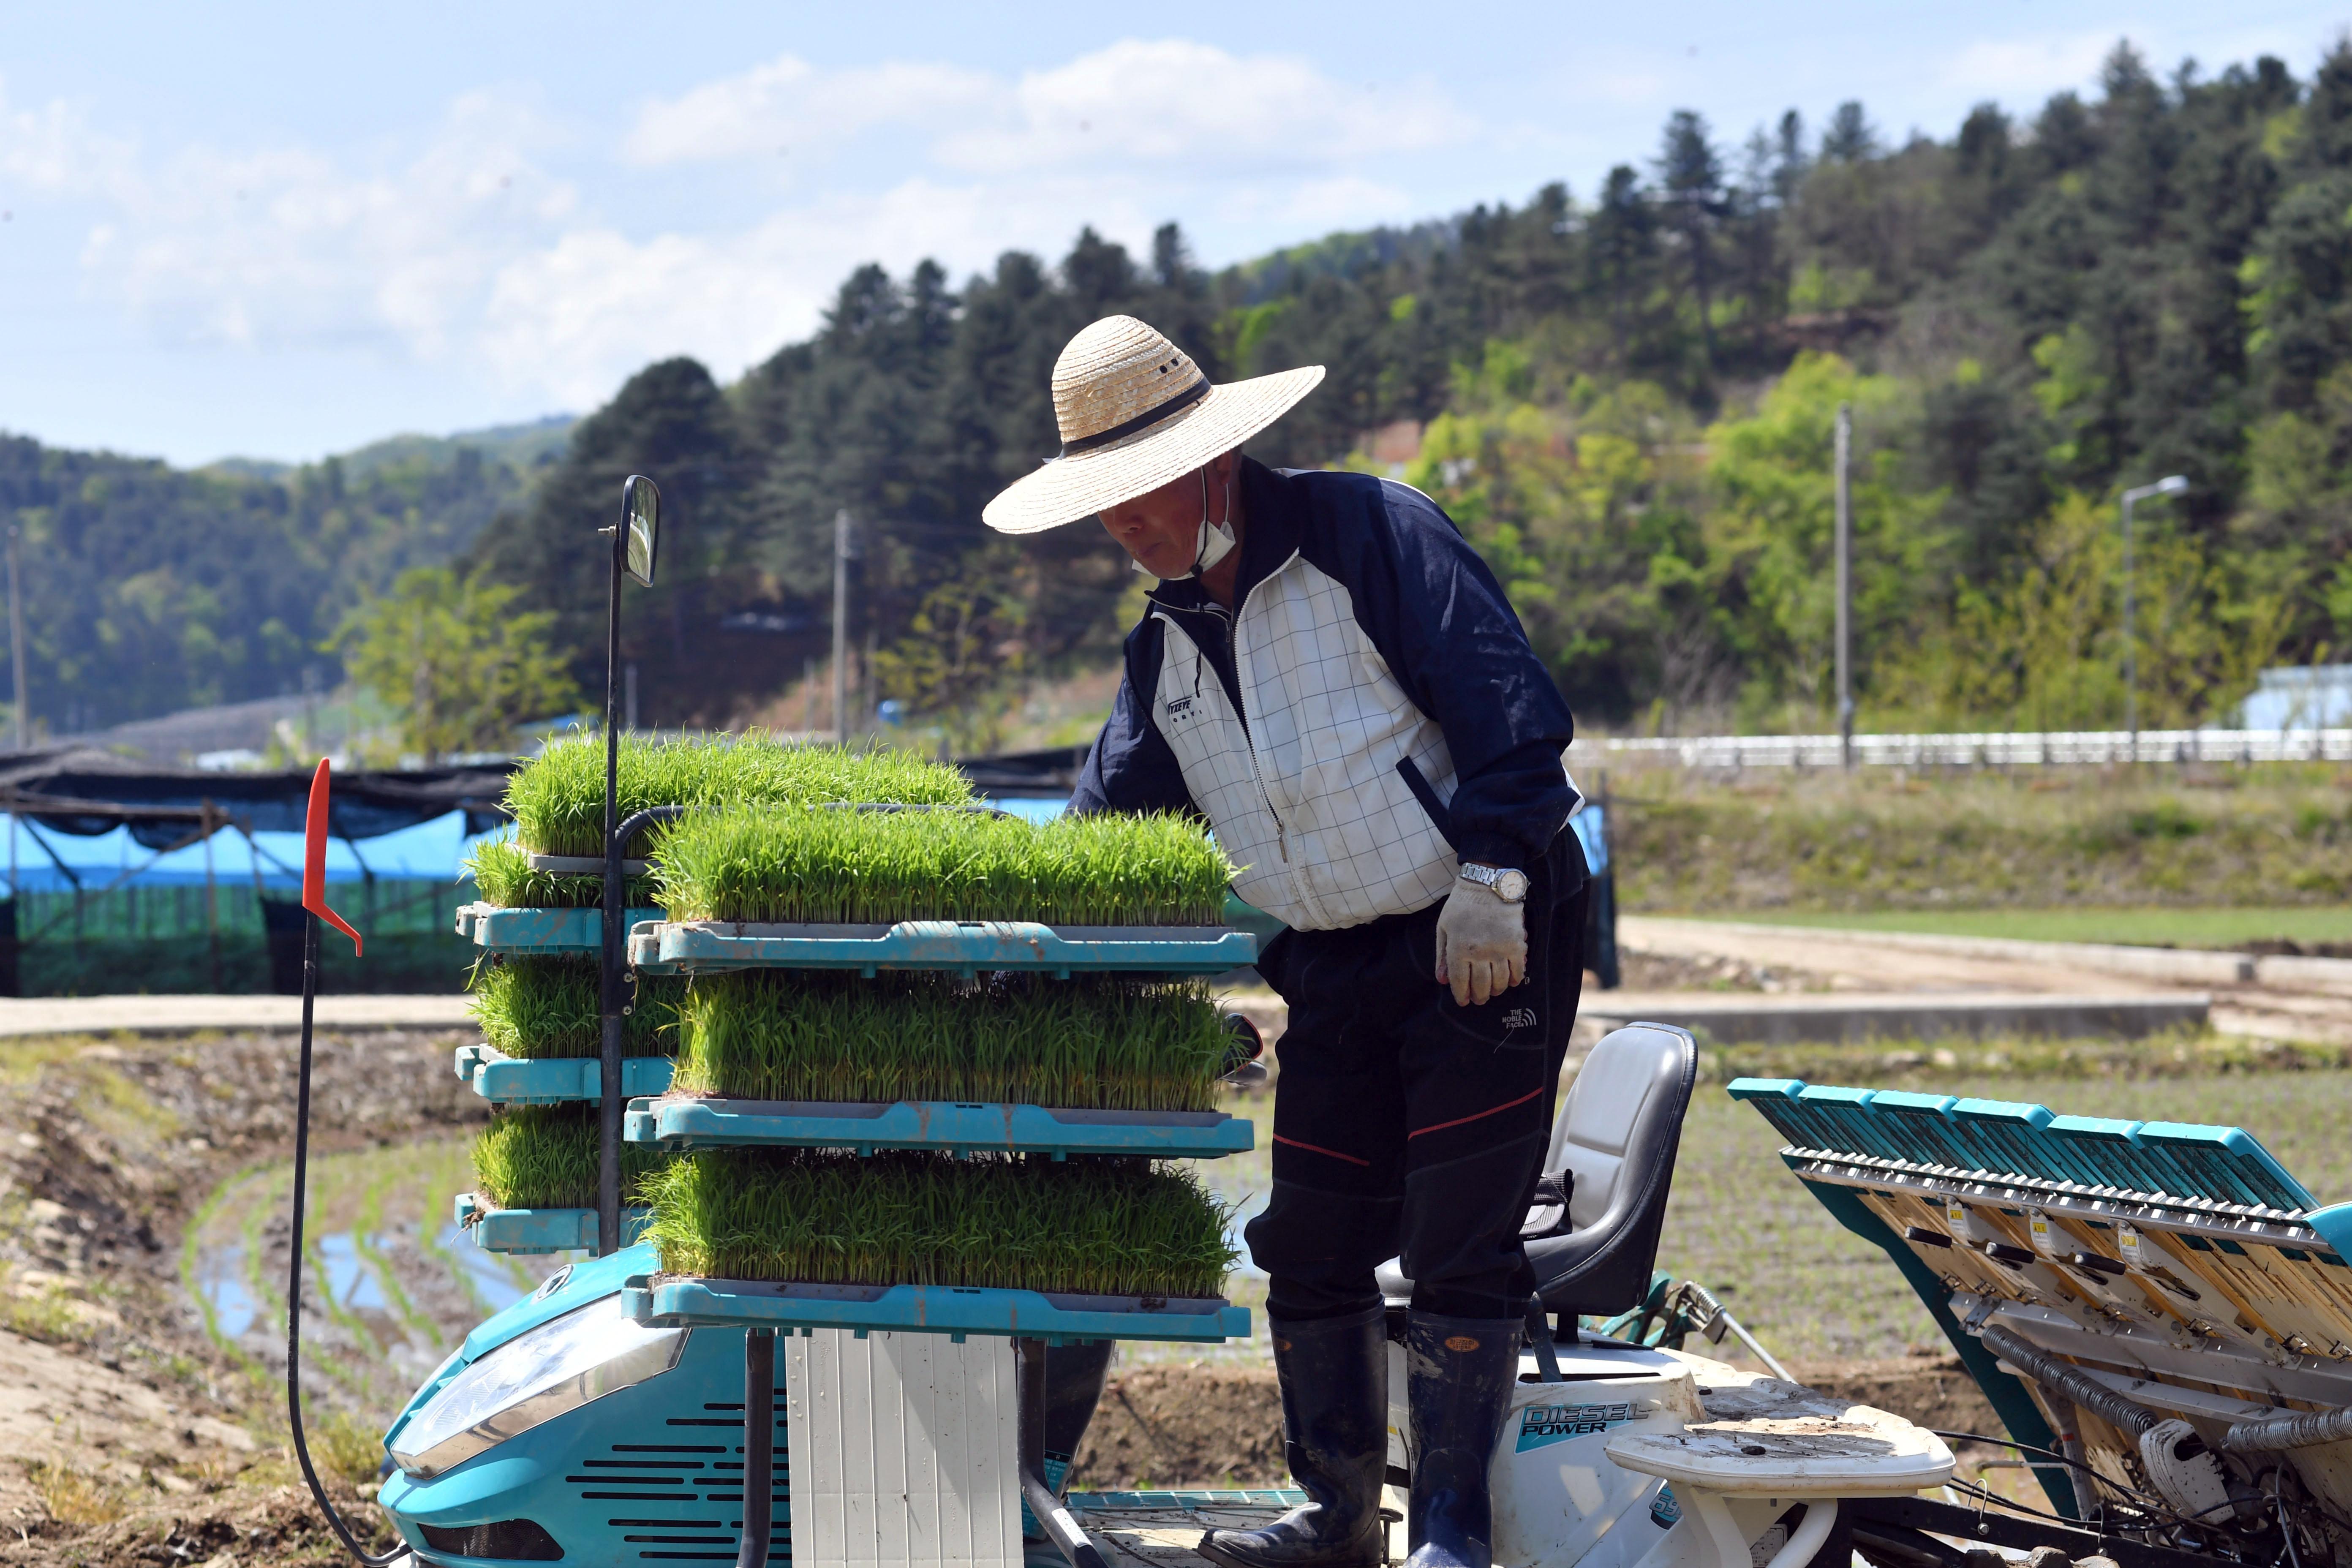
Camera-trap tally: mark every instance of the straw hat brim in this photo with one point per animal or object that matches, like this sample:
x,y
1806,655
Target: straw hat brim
x,y
1071,489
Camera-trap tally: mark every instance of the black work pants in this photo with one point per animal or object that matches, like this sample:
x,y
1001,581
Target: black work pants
x,y
1406,1126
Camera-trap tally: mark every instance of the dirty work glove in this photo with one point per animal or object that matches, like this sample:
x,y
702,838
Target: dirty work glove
x,y
1482,944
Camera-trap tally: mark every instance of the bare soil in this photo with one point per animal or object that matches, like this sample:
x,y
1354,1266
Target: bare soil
x,y
1168,1427
126,1435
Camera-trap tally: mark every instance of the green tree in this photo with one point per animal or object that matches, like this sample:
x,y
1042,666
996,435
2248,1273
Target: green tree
x,y
963,644
457,660
1771,533
2044,648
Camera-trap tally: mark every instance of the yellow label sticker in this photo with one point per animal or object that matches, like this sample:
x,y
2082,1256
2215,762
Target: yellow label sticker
x,y
2128,1242
2044,1239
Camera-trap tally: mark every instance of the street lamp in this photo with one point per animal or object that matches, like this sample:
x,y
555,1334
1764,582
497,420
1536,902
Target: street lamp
x,y
2171,484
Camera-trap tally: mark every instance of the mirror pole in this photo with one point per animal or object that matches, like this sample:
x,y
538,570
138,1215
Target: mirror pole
x,y
613,918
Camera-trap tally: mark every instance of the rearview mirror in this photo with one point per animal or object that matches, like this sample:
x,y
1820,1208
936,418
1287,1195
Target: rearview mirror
x,y
641,516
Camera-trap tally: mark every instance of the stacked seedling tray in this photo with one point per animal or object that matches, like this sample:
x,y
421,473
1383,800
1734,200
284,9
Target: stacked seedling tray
x,y
932,1064
539,925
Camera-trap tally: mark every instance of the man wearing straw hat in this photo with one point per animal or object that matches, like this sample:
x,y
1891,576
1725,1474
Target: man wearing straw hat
x,y
1331,677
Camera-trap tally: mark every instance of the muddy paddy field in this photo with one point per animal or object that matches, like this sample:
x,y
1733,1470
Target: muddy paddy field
x,y
142,1276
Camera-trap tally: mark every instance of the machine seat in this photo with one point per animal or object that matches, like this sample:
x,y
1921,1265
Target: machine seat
x,y
1614,1140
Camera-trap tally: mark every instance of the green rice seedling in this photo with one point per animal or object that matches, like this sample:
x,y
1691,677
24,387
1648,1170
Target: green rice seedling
x,y
789,865
544,1156
1115,1228
1099,1043
503,876
558,801
549,1006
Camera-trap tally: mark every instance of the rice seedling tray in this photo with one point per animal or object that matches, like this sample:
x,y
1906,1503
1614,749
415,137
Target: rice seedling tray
x,y
961,947
539,931
503,1080
526,1231
956,1311
679,1123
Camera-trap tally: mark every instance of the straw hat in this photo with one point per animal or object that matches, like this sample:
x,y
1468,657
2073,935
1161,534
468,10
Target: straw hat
x,y
1135,413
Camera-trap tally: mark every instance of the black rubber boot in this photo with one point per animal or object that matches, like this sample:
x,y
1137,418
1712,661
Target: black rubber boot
x,y
1334,1374
1461,1372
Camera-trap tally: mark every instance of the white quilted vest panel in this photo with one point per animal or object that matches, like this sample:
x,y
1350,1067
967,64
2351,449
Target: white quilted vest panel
x,y
1307,798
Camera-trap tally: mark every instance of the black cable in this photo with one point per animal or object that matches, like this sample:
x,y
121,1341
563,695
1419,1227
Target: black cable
x,y
294,1268
2106,1481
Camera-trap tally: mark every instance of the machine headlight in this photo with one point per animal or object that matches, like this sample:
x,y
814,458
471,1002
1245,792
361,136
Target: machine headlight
x,y
534,1377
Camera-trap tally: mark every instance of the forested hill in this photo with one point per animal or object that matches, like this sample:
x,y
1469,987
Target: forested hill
x,y
149,588
1625,396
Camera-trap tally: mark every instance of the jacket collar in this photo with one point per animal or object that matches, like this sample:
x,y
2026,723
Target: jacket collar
x,y
1270,533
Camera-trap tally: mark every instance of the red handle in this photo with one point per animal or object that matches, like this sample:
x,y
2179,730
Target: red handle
x,y
314,860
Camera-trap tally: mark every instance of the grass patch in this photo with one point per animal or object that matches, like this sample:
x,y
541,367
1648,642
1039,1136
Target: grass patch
x,y
549,1006
557,802
545,1157
73,1496
2199,928
855,867
1119,1227
1098,1043
344,1446
2261,838
51,1313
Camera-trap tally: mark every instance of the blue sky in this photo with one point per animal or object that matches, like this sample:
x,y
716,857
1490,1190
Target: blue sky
x,y
280,231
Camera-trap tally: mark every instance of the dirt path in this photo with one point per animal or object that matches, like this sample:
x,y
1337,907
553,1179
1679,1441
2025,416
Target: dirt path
x,y
1844,961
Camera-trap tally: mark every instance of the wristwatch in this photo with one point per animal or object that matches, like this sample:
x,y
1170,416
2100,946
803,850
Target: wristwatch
x,y
1511,887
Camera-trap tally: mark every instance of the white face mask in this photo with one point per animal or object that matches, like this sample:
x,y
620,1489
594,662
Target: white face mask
x,y
1217,540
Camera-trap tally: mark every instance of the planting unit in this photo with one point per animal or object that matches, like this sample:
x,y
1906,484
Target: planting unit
x,y
1032,1320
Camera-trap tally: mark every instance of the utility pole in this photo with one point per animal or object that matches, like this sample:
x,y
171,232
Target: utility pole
x,y
17,627
1844,589
2171,484
841,627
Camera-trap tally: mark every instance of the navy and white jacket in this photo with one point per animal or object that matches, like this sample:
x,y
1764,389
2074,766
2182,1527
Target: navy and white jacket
x,y
1368,635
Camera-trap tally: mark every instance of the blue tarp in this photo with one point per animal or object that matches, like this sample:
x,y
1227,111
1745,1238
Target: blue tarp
x,y
430,851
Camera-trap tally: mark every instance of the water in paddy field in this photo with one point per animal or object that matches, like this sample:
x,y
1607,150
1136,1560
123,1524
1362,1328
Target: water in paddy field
x,y
391,1284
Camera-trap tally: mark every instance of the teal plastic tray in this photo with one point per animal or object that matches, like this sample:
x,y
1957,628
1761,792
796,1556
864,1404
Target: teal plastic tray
x,y
503,930
539,1230
964,947
503,1080
953,1310
1983,1137
689,1122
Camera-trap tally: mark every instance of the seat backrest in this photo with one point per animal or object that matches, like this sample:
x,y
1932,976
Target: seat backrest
x,y
1618,1130
1630,1081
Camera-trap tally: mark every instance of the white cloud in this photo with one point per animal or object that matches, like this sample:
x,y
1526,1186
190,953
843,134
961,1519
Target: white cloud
x,y
1173,101
1138,102
2026,70
472,245
789,106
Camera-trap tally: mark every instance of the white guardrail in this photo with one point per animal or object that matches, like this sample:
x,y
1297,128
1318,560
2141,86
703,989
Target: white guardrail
x,y
2007,748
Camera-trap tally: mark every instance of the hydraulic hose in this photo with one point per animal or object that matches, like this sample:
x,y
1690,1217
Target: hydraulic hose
x,y
2305,1431
2309,1430
2087,1392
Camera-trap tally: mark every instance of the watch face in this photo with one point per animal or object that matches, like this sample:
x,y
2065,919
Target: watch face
x,y
1512,885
